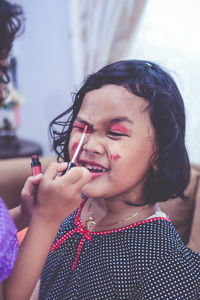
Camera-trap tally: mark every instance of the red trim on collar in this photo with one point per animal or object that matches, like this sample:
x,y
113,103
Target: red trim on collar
x,y
87,235
129,226
119,229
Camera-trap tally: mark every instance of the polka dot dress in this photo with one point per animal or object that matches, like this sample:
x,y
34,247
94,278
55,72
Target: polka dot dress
x,y
146,260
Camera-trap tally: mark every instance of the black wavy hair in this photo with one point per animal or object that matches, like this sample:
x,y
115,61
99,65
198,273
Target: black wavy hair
x,y
11,24
147,80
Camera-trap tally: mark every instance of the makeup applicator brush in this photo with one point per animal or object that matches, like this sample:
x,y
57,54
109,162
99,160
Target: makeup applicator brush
x,y
72,162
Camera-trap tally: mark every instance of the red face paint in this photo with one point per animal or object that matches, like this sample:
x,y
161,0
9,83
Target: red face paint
x,y
74,146
78,125
119,127
72,162
115,157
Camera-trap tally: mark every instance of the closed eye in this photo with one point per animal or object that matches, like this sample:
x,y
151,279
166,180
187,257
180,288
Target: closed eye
x,y
78,127
114,133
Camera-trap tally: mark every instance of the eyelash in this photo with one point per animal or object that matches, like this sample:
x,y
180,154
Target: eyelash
x,y
112,133
78,127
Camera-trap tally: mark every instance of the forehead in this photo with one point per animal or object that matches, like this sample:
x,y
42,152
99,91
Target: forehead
x,y
111,101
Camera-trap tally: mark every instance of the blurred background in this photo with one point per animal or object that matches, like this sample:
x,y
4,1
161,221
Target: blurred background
x,y
67,39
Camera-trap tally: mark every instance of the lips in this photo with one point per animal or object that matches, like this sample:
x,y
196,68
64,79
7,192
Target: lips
x,y
95,168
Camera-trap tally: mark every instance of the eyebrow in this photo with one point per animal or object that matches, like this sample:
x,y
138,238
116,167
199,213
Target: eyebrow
x,y
78,119
121,119
113,121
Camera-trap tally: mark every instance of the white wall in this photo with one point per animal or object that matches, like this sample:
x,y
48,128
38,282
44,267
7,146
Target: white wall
x,y
169,35
44,78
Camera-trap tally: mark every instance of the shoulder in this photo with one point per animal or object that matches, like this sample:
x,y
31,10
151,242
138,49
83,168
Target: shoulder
x,y
8,242
156,237
177,273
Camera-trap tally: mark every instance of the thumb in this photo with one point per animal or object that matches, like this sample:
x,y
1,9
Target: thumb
x,y
30,184
55,168
87,176
36,179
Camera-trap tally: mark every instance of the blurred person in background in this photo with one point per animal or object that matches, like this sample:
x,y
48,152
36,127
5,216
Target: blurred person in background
x,y
44,214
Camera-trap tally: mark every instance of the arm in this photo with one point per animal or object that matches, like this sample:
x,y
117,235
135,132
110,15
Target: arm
x,y
57,197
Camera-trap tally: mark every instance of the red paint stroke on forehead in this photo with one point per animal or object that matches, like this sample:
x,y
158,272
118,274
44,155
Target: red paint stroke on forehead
x,y
119,127
115,157
74,146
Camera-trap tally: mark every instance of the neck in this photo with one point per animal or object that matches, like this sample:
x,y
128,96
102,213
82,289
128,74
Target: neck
x,y
116,213
117,205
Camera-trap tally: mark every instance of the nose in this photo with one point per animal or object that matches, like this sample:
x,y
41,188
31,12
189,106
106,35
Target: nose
x,y
93,145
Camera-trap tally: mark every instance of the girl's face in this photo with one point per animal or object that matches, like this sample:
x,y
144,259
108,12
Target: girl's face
x,y
119,143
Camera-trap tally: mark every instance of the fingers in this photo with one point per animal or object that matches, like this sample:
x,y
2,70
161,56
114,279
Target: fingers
x,y
85,178
76,177
76,174
35,179
30,184
32,181
55,169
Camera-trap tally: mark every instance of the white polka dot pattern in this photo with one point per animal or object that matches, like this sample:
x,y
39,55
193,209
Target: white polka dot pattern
x,y
147,261
8,242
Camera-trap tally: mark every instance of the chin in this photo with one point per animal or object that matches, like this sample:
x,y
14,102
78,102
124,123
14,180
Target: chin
x,y
90,191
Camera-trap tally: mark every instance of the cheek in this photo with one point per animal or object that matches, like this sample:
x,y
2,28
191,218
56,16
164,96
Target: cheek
x,y
74,146
73,143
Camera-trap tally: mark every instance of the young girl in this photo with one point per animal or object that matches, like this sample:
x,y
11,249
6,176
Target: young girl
x,y
118,244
